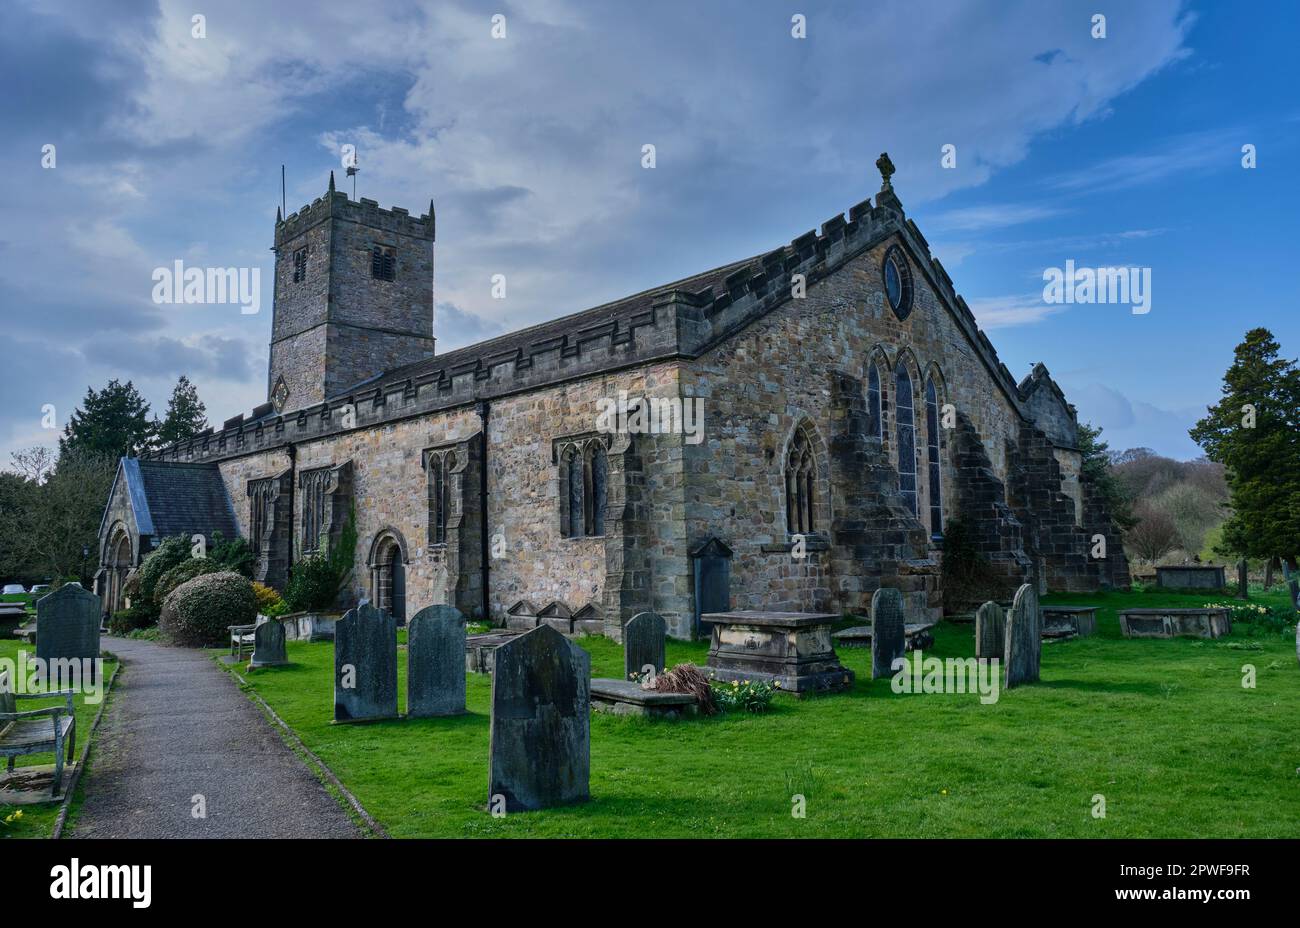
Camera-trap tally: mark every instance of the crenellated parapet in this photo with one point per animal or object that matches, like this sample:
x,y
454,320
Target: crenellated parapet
x,y
337,204
681,320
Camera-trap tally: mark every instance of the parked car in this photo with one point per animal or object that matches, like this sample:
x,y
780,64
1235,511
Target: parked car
x,y
11,588
39,588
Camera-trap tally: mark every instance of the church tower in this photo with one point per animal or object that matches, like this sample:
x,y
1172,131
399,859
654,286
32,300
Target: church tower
x,y
353,297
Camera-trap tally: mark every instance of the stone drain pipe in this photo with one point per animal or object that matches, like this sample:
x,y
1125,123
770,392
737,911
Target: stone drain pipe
x,y
485,543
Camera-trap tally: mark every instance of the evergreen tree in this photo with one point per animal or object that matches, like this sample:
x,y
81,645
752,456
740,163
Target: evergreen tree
x,y
1096,469
186,414
1254,431
113,422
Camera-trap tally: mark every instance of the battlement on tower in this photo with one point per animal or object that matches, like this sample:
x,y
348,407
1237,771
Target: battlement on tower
x,y
337,204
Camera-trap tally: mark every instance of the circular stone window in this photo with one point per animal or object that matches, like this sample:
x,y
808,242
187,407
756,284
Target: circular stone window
x,y
898,282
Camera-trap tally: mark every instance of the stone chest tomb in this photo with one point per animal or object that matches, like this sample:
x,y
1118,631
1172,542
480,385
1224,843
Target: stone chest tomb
x,y
790,649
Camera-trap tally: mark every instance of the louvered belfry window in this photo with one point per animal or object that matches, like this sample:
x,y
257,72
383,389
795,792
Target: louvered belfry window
x,y
383,263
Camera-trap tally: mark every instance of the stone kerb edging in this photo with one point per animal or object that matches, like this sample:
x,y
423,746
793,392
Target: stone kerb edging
x,y
322,769
75,779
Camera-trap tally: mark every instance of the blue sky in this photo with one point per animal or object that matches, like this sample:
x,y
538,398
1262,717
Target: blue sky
x,y
1122,151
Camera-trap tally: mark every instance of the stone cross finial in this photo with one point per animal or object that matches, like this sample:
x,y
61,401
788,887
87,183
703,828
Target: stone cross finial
x,y
886,168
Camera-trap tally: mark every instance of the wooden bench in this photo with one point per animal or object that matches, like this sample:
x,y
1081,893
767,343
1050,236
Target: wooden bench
x,y
243,640
36,731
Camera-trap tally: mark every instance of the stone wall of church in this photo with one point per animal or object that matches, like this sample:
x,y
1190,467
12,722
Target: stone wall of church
x,y
540,565
1071,464
536,562
761,383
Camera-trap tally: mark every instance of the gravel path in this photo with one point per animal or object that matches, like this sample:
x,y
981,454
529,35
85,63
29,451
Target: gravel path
x,y
177,728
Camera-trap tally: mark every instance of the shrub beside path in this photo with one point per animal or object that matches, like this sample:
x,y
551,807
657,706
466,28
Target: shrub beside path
x,y
177,729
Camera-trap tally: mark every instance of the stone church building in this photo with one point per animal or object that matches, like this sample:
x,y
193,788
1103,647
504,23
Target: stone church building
x,y
851,408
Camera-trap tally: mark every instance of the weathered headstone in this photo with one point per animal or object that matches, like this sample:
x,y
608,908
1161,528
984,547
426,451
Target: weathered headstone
x,y
990,627
67,624
435,663
268,645
1293,586
1023,639
365,665
643,644
1242,578
888,631
540,742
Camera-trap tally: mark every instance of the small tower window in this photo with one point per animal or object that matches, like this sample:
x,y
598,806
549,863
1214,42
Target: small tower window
x,y
383,263
300,265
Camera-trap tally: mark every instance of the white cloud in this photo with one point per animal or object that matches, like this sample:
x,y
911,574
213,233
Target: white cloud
x,y
1001,312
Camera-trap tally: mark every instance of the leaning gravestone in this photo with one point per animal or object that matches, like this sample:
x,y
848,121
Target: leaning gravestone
x,y
540,742
888,631
365,665
268,645
643,644
1242,578
990,627
1023,639
67,624
435,663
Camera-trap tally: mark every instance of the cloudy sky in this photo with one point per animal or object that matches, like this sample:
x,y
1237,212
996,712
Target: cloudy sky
x,y
1121,151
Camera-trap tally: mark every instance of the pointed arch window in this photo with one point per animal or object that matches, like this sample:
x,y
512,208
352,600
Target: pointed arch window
x,y
932,458
584,479
800,485
596,473
440,465
905,428
874,425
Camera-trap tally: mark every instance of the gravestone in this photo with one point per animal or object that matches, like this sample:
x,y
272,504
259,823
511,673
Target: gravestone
x,y
990,627
365,665
67,624
435,663
888,631
1023,639
1293,587
268,645
1242,578
711,569
540,741
643,643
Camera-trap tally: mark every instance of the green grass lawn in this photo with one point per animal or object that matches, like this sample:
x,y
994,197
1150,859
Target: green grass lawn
x,y
1163,730
37,821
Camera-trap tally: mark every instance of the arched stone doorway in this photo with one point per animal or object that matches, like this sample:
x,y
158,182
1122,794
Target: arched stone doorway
x,y
388,574
120,562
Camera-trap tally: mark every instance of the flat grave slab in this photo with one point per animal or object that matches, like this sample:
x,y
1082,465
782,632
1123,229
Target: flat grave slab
x,y
30,786
1175,623
1062,622
859,636
1191,577
791,649
626,697
480,650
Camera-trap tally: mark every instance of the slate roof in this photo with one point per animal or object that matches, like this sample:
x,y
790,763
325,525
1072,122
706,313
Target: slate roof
x,y
621,312
181,499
